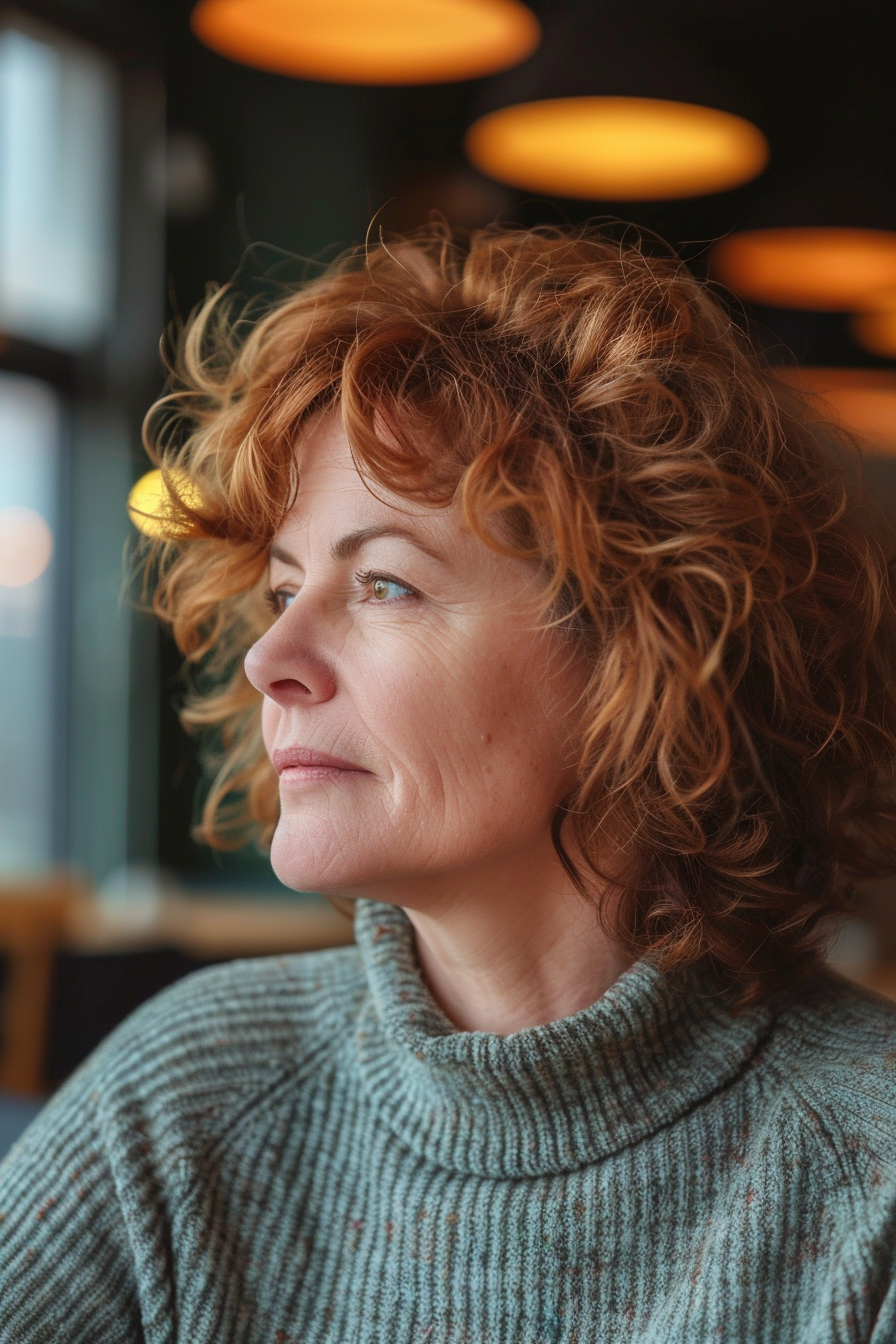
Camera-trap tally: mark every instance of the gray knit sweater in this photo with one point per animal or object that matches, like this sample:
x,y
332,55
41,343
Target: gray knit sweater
x,y
304,1149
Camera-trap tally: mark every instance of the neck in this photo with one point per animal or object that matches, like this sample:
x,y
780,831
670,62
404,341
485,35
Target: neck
x,y
513,947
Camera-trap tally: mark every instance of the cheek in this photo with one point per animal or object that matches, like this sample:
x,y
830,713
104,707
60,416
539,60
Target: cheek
x,y
424,706
461,716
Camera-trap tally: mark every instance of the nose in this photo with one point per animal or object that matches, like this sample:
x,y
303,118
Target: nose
x,y
285,666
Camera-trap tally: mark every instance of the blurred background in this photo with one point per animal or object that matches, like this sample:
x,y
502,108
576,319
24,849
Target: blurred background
x,y
148,147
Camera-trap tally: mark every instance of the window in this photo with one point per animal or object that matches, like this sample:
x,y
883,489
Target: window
x,y
59,153
30,423
58,121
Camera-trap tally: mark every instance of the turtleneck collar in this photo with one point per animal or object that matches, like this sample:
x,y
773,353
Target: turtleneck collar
x,y
550,1098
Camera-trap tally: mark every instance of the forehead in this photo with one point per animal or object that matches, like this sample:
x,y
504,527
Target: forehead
x,y
332,493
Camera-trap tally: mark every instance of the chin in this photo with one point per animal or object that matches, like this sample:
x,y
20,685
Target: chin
x,y
298,864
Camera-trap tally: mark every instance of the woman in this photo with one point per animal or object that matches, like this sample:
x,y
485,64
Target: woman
x,y
537,626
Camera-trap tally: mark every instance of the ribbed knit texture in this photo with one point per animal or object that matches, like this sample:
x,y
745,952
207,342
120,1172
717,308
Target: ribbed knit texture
x,y
304,1149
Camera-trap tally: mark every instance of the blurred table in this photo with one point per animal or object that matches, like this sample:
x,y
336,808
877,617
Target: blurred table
x,y
116,950
205,926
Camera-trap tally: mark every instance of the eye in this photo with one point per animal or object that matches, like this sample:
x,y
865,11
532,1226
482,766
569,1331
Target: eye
x,y
379,584
276,599
272,599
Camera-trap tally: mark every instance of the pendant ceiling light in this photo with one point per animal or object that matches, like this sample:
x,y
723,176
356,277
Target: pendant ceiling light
x,y
615,106
370,41
875,329
862,400
614,148
832,269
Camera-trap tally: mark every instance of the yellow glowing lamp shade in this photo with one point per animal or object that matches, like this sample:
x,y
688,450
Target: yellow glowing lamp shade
x,y
26,546
616,148
370,41
862,400
149,503
875,329
831,269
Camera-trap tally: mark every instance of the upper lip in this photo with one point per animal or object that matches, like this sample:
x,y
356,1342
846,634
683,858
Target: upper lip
x,y
288,756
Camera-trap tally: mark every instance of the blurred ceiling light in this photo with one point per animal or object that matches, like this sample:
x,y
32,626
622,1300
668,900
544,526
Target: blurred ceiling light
x,y
862,400
149,503
875,329
26,546
370,41
822,268
616,148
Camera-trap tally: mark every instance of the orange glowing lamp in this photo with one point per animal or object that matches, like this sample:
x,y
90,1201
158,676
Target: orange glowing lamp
x,y
875,329
818,268
603,148
370,41
861,400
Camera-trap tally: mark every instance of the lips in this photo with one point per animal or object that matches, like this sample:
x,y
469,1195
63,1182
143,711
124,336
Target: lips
x,y
294,756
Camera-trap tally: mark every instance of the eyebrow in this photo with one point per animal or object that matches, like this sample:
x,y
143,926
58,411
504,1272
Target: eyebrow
x,y
349,545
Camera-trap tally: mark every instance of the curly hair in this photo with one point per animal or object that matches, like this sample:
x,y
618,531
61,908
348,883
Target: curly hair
x,y
593,409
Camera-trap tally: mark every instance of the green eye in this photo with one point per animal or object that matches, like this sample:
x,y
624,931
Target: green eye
x,y
380,584
381,587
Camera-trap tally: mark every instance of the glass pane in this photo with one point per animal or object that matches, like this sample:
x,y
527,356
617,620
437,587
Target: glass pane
x,y
30,417
58,131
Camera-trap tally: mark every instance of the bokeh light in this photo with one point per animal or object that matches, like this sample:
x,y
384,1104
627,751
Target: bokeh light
x,y
149,503
616,148
26,546
370,41
875,329
819,268
862,400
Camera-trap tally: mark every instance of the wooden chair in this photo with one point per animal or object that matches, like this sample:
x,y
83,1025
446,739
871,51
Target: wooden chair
x,y
33,917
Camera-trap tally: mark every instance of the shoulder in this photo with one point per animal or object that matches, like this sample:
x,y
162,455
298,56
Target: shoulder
x,y
237,1023
192,1066
833,1055
91,1195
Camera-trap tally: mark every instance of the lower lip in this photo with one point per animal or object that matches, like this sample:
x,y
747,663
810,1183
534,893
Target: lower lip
x,y
298,774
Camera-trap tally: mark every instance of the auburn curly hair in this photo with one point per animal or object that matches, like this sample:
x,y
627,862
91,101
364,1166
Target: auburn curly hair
x,y
594,410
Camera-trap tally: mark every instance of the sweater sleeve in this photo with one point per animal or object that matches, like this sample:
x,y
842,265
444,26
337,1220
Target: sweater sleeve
x,y
88,1195
106,1195
66,1263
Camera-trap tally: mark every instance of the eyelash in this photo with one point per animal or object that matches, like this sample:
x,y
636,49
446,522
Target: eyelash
x,y
365,577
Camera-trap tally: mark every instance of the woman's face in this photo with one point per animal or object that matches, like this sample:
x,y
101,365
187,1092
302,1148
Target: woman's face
x,y
410,658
